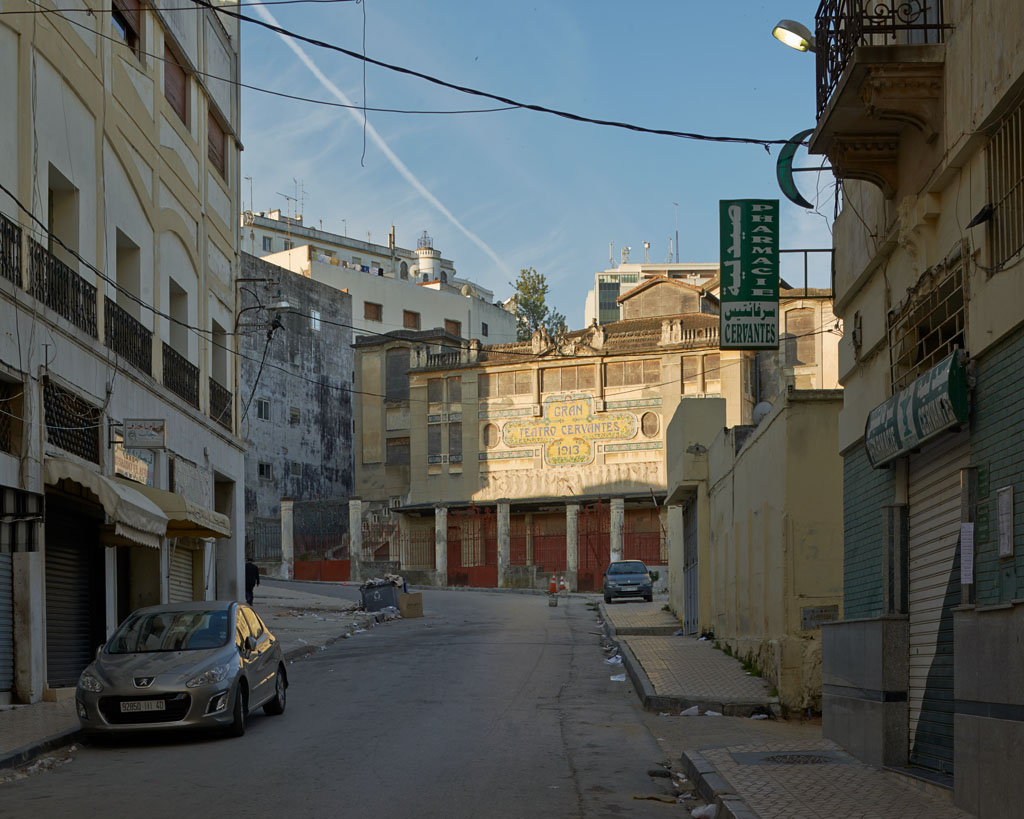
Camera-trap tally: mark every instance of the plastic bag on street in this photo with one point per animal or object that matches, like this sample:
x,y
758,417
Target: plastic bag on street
x,y
692,711
616,660
619,678
705,812
712,713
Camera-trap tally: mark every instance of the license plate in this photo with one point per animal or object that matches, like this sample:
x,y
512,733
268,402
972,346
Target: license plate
x,y
629,586
131,706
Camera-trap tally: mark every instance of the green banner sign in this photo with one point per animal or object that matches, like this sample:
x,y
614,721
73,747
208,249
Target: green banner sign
x,y
928,407
750,274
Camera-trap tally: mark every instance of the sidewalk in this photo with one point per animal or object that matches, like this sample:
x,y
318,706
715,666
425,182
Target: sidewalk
x,y
303,622
767,768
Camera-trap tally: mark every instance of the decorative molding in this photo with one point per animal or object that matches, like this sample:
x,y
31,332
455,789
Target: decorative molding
x,y
633,447
506,455
870,158
635,402
511,413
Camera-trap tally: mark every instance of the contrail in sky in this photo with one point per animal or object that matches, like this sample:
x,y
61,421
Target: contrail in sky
x,y
379,141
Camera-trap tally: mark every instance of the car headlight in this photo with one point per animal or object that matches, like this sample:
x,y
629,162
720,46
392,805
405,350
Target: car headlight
x,y
612,582
212,675
87,682
647,578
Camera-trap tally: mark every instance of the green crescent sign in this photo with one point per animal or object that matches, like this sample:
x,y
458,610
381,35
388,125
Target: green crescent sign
x,y
784,170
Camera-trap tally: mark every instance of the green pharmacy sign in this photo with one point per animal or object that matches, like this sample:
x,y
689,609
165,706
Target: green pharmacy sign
x,y
750,274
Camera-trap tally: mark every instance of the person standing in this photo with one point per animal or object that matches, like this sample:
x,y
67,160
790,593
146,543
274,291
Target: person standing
x,y
252,579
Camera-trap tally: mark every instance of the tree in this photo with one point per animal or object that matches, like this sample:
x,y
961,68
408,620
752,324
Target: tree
x,y
532,310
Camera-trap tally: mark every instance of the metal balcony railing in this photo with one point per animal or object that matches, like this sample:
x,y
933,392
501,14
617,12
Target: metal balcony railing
x,y
180,375
61,289
10,250
127,337
842,25
220,405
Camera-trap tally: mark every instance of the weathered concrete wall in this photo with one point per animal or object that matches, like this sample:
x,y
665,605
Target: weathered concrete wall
x,y
308,368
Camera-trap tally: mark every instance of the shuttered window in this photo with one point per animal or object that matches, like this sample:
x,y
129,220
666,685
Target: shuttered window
x,y
410,320
691,375
435,390
455,390
215,145
712,373
398,451
455,442
453,327
126,21
434,441
175,85
397,375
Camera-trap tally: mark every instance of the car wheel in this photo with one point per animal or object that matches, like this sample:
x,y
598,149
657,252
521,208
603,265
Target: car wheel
x,y
607,598
237,726
649,598
276,705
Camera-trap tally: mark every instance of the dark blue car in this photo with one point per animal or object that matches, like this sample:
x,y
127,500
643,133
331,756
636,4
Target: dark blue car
x,y
628,578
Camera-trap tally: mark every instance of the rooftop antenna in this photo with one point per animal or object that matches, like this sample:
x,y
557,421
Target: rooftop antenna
x,y
611,255
300,196
677,231
625,253
669,257
288,221
647,246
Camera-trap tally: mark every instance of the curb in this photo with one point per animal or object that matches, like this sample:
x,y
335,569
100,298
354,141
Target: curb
x,y
713,788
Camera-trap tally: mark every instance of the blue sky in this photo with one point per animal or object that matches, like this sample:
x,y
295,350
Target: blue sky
x,y
501,191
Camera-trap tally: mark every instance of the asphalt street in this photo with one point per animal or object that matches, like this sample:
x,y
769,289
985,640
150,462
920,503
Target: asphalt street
x,y
492,705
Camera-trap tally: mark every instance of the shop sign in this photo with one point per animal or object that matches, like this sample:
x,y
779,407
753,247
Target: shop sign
x,y
191,482
749,236
569,428
145,433
932,404
138,465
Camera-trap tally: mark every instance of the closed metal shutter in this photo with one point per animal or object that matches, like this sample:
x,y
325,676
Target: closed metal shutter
x,y
180,590
934,576
6,623
690,578
75,612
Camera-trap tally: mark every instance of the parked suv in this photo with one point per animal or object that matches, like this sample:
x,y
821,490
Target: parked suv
x,y
628,578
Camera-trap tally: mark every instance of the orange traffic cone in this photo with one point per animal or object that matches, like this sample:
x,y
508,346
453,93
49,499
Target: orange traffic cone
x,y
552,588
561,583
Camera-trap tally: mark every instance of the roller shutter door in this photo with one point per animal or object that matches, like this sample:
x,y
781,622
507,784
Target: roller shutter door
x,y
6,623
934,575
180,590
75,618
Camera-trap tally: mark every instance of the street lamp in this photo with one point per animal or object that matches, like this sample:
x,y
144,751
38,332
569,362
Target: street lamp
x,y
795,35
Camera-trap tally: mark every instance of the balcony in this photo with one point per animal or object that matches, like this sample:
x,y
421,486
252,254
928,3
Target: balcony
x,y
127,337
10,250
220,405
443,359
880,67
181,376
61,289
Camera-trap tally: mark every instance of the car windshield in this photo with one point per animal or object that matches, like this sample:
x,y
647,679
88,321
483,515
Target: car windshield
x,y
170,631
629,567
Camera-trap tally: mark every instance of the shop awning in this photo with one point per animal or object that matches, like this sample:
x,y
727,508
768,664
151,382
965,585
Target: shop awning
x,y
135,517
184,518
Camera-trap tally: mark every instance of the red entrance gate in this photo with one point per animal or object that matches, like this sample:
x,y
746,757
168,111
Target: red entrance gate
x,y
595,527
473,547
538,540
643,537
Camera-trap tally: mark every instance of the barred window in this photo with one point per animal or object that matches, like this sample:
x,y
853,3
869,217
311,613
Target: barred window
x,y
1005,159
71,423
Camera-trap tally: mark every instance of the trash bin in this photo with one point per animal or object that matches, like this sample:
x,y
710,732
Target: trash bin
x,y
376,598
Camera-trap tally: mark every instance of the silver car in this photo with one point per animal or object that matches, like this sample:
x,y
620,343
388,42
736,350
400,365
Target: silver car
x,y
184,665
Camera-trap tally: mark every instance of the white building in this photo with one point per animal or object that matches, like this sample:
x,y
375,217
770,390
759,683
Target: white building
x,y
392,288
602,303
118,259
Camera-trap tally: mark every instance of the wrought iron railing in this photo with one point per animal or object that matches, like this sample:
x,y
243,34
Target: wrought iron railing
x,y
842,25
10,250
61,289
72,423
220,405
181,376
126,336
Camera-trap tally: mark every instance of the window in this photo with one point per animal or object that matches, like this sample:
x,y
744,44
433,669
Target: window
x,y
357,261
373,312
712,374
455,442
453,327
398,452
410,320
491,436
403,271
268,243
435,390
554,379
314,320
627,373
294,416
455,390
175,85
691,374
265,471
650,423
263,409
483,329
1005,155
288,244
397,384
800,338
434,443
126,22
216,140
510,382
10,417
296,469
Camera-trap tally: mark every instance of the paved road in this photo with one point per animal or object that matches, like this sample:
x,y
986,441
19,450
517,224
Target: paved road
x,y
493,705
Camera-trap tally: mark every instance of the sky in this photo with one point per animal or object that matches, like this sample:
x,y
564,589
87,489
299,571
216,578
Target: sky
x,y
505,190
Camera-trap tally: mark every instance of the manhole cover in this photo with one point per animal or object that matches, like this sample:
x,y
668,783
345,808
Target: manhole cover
x,y
790,757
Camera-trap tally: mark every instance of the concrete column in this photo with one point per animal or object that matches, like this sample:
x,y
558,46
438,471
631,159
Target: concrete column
x,y
618,516
287,570
572,545
110,579
166,544
29,639
676,557
504,543
441,544
355,538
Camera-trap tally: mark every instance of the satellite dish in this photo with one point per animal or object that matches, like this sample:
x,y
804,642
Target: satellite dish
x,y
761,411
467,290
